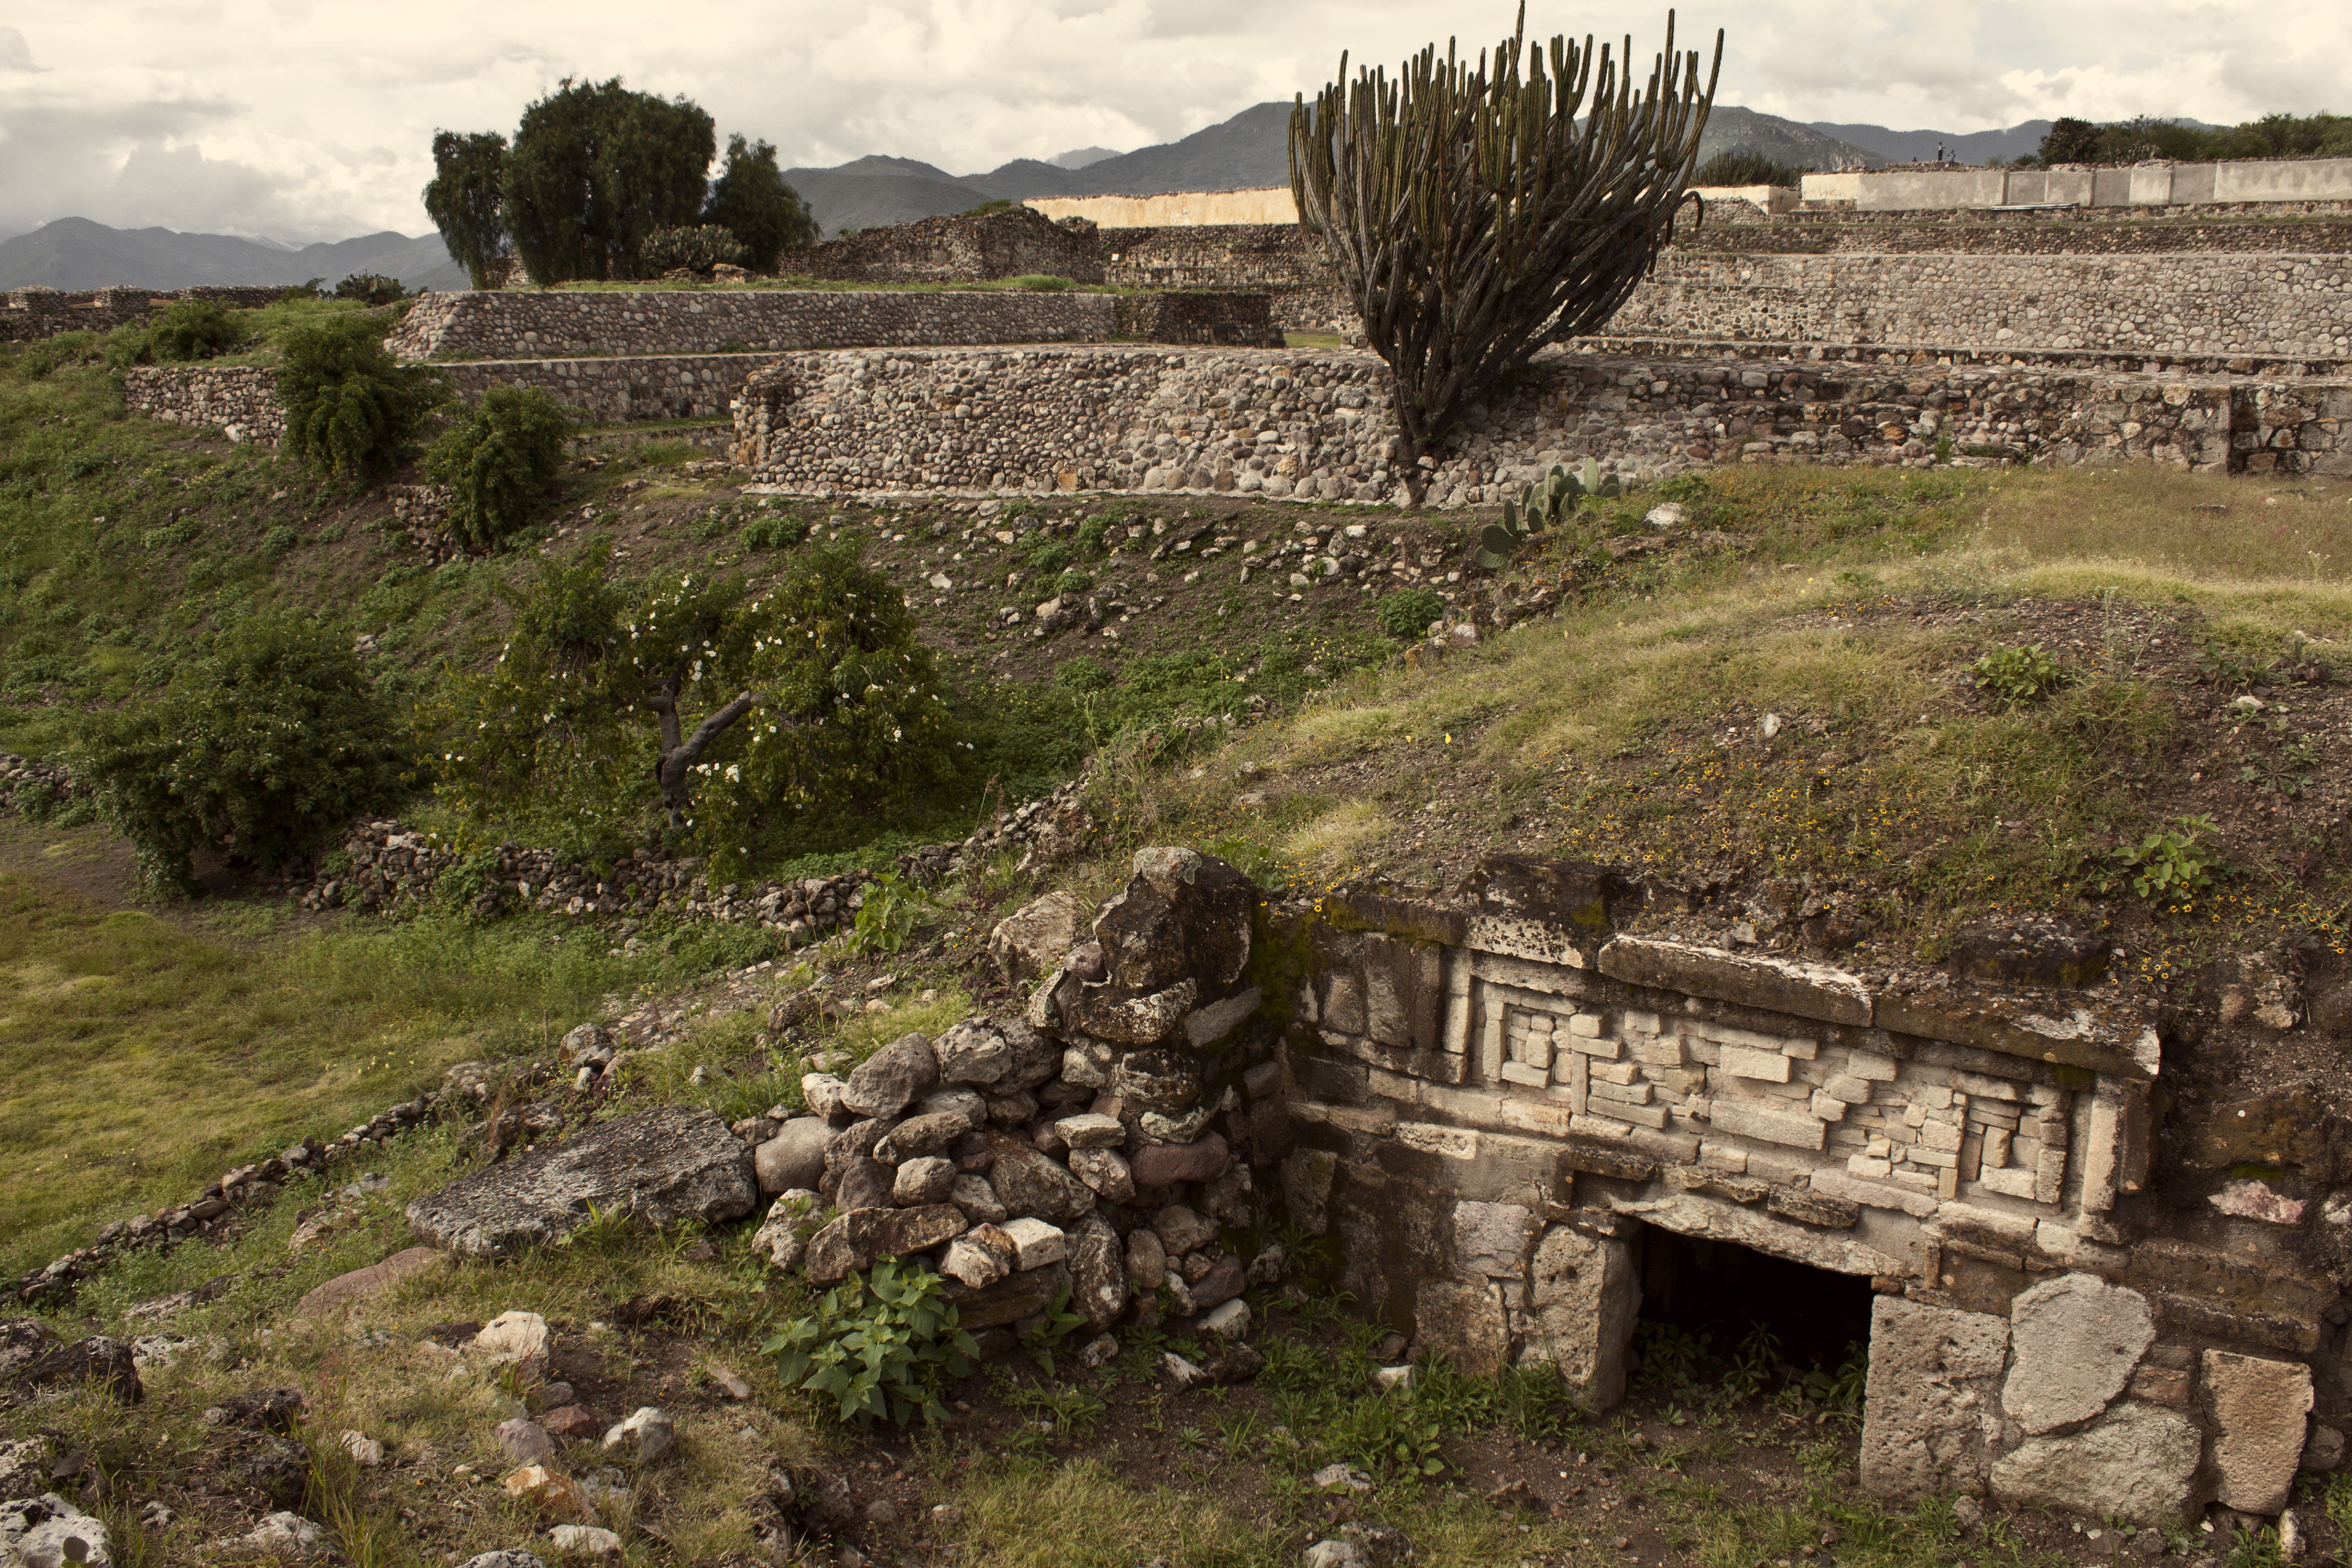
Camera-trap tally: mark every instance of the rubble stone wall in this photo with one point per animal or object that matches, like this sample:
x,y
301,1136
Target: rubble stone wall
x,y
1318,424
513,325
957,248
240,400
42,313
1494,1099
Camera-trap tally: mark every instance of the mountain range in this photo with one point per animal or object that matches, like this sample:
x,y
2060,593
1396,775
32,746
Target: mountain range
x,y
74,253
1248,152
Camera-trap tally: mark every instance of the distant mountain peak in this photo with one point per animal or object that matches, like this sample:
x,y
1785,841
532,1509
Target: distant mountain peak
x,y
1082,157
74,253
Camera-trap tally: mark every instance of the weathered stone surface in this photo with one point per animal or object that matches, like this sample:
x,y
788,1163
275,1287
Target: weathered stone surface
x,y
1465,1322
1180,1229
1090,1129
348,1290
1207,1026
784,1234
822,1093
2078,1339
978,1200
1584,1294
658,1167
1147,1259
1493,1239
1222,1282
1144,1019
1307,1176
1035,1243
515,1336
1036,1058
955,1099
2137,1462
1099,1279
1027,1183
48,1531
866,1184
971,1052
925,1180
1106,1171
98,1359
920,1135
852,1241
794,1157
887,1082
1164,1081
22,1339
1783,985
525,1442
1030,943
979,1258
1014,1297
2258,1407
1694,1214
1931,1413
1164,1164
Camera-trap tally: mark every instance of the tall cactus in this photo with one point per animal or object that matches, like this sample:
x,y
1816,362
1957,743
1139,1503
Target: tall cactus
x,y
1474,218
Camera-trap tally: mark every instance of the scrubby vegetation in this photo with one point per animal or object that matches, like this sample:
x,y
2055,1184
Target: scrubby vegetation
x,y
2137,140
500,457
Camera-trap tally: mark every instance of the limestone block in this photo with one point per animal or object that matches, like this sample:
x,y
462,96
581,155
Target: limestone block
x,y
1584,1294
1930,1417
2077,1338
2258,1407
2136,1462
1492,1239
1307,1176
1745,1061
1463,1320
1745,1120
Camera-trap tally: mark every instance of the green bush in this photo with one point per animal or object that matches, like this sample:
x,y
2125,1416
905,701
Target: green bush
x,y
193,330
1050,554
350,408
1406,614
372,288
886,1347
696,248
1083,672
2174,862
498,457
1745,167
262,749
775,531
2019,675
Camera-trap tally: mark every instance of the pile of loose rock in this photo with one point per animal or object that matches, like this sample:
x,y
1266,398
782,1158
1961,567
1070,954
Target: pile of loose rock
x,y
25,773
1097,1150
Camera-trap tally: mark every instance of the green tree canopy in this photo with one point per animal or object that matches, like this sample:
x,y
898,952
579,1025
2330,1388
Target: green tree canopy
x,y
752,199
466,200
595,168
721,708
259,750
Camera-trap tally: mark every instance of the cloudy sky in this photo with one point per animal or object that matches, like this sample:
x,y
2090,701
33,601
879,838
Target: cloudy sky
x,y
304,119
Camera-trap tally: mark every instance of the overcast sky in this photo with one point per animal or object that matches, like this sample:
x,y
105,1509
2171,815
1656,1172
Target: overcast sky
x,y
302,120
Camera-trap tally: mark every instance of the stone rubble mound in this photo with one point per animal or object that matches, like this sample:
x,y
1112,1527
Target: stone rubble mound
x,y
1099,1145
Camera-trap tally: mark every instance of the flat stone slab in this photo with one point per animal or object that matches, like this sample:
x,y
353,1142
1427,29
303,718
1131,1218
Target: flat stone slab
x,y
2136,1462
1931,1413
346,1290
2078,1339
659,1167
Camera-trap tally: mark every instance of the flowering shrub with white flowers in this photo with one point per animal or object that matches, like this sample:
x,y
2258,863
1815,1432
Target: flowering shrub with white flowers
x,y
696,704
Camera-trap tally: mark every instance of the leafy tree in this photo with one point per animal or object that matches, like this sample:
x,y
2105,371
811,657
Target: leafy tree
x,y
372,288
498,457
698,250
467,201
1474,213
593,170
266,746
752,199
723,707
350,408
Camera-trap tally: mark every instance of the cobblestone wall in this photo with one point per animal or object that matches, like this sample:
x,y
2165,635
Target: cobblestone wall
x,y
962,248
42,313
1317,424
2292,304
2011,234
240,400
558,323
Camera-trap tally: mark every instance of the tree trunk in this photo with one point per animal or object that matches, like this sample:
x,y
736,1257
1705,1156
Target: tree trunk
x,y
678,757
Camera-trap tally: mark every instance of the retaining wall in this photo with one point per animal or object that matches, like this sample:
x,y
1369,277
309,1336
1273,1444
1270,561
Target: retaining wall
x,y
42,313
508,325
958,249
2286,304
240,400
2282,180
1318,424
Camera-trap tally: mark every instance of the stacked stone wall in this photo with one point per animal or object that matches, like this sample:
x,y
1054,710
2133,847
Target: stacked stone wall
x,y
1319,424
969,247
2022,233
566,323
41,312
238,400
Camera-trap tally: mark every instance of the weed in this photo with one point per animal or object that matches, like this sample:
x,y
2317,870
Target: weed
x,y
884,1346
2019,675
1057,1323
2174,862
889,910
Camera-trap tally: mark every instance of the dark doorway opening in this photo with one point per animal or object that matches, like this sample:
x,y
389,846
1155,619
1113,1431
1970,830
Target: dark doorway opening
x,y
1708,1306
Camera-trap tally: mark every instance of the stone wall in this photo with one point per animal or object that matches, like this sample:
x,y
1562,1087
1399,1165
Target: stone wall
x,y
1316,424
1495,1099
1010,243
240,400
506,325
42,313
2262,180
2015,234
1264,204
2290,304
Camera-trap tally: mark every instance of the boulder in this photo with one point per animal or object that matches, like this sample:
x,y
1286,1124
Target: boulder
x,y
658,1167
108,1363
1181,1230
1493,1239
866,1184
24,1468
780,1237
1027,1183
857,1237
2076,1339
2258,1407
1090,1129
1011,1298
2137,1462
978,1200
794,1157
1147,1259
1221,1284
956,1099
49,1532
893,1077
647,1434
526,1442
979,1258
1030,943
1128,1019
1182,915
1167,1081
1035,1243
585,1541
1099,1279
971,1052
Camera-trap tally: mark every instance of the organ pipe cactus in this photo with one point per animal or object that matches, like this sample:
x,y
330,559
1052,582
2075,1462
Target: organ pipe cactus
x,y
1475,213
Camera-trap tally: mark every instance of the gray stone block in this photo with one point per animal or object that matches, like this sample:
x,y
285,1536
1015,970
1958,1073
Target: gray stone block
x,y
1931,1415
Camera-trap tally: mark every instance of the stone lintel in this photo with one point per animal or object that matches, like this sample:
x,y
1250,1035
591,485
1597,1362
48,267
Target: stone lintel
x,y
1778,984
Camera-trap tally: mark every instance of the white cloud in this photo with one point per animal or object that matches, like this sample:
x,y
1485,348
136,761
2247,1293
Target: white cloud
x,y
312,121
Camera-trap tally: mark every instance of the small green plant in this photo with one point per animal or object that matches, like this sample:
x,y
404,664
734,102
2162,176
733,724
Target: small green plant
x,y
372,288
1094,536
498,457
279,541
1549,503
1406,614
1048,555
1668,1353
2019,674
2173,862
1072,581
884,1346
1057,1323
775,531
1082,672
887,912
